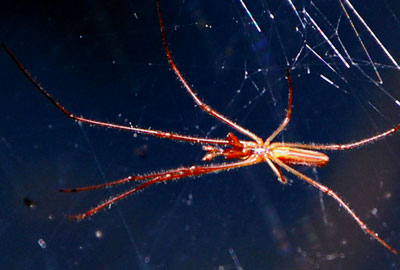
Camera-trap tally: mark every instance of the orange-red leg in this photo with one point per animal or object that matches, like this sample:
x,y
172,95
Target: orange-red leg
x,y
157,178
336,197
333,147
198,101
157,133
277,171
285,121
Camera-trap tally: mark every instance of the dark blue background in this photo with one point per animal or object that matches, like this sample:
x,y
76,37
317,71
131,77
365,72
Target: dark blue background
x,y
101,61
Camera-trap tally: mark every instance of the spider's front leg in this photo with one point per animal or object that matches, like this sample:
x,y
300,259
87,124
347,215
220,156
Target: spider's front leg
x,y
154,178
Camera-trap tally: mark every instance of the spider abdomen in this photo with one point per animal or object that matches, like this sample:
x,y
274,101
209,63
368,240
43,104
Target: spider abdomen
x,y
298,156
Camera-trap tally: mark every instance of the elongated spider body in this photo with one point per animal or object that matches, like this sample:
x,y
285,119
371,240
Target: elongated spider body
x,y
245,149
244,153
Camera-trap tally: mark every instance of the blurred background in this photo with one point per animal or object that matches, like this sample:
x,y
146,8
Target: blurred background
x,y
105,60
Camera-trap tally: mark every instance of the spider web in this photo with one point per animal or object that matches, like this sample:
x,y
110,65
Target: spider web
x,y
106,61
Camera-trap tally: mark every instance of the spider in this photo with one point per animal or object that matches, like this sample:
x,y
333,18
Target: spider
x,y
245,152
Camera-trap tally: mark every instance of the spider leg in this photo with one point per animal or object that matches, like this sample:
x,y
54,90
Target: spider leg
x,y
113,183
162,177
343,146
189,89
285,121
336,197
276,170
157,133
177,173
